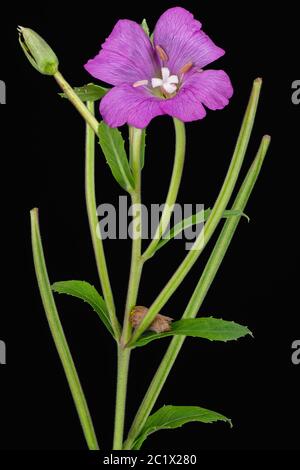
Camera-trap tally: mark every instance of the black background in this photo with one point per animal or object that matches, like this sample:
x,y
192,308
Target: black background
x,y
42,164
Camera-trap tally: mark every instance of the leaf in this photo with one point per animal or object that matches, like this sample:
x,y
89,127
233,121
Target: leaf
x,y
112,145
145,27
172,417
89,92
86,292
213,329
194,219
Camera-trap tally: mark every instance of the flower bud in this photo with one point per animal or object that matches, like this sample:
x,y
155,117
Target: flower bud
x,y
37,51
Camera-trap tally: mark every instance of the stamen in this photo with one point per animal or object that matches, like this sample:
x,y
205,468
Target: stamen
x,y
186,68
162,54
140,83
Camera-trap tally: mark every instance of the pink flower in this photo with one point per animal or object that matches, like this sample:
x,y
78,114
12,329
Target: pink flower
x,y
165,77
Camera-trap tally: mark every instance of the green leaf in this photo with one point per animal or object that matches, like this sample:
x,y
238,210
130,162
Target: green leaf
x,y
200,217
172,417
213,329
112,145
86,292
89,92
145,27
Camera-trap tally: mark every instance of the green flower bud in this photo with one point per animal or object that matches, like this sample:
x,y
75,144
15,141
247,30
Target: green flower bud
x,y
37,51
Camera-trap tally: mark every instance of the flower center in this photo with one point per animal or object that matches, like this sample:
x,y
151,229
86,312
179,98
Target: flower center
x,y
168,82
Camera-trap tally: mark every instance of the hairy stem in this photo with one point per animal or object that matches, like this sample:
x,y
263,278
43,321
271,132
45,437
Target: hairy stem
x,y
173,189
136,261
122,379
134,281
90,195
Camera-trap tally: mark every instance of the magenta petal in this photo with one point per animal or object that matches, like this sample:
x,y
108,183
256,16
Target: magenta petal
x,y
134,106
126,56
184,106
181,37
211,87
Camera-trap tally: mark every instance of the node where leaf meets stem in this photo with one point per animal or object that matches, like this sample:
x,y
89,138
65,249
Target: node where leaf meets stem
x,y
76,101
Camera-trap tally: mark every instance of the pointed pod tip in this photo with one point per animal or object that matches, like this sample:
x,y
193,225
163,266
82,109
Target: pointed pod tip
x,y
266,140
258,80
34,211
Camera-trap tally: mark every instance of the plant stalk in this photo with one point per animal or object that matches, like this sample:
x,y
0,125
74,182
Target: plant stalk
x,y
134,281
90,196
173,188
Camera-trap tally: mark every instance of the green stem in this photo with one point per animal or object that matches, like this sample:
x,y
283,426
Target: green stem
x,y
134,281
214,218
198,296
77,103
122,379
90,195
58,334
173,189
136,261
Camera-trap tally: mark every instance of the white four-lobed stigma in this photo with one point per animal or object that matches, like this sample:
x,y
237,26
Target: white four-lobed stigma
x,y
167,82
